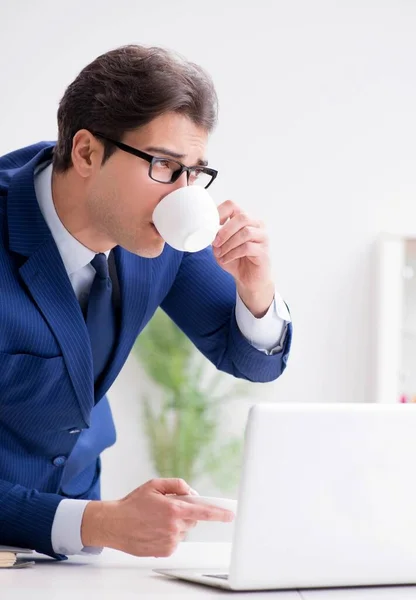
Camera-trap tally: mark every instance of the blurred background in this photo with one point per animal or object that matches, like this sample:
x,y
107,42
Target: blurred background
x,y
316,136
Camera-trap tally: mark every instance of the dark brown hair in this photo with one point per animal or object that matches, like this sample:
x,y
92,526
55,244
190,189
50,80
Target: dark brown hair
x,y
128,87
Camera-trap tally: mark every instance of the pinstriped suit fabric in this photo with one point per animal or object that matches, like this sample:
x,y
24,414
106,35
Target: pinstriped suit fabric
x,y
46,381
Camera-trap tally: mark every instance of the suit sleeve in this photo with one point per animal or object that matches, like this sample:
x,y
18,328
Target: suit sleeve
x,y
202,303
26,518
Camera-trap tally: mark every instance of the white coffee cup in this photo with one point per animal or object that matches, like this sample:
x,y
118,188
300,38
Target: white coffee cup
x,y
187,219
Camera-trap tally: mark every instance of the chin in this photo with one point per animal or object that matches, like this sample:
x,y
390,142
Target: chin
x,y
151,251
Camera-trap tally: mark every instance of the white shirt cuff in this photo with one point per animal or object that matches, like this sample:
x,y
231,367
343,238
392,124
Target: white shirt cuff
x,y
267,333
66,528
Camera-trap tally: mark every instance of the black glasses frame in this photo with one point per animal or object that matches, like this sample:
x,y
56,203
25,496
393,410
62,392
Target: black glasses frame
x,y
152,159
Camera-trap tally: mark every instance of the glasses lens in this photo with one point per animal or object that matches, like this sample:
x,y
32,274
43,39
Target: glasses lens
x,y
199,177
163,169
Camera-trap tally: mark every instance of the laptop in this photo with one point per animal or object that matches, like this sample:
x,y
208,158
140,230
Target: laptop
x,y
326,499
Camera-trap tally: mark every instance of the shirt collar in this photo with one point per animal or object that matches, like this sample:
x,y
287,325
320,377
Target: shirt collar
x,y
74,255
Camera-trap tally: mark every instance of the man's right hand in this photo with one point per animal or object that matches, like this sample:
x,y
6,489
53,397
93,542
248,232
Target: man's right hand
x,y
147,522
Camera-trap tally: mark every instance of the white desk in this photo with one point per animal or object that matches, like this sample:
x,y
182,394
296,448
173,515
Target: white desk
x,y
117,576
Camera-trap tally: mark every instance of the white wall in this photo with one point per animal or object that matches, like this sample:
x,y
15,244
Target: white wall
x,y
317,135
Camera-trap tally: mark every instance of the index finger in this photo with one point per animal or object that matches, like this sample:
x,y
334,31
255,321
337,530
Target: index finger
x,y
204,512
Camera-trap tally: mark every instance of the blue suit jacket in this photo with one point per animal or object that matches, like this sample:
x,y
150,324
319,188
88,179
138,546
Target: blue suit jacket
x,y
53,423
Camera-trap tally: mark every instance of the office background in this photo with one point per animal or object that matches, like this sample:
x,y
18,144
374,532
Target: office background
x,y
316,136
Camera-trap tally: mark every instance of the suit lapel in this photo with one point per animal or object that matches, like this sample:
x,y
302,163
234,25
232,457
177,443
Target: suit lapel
x,y
49,285
47,281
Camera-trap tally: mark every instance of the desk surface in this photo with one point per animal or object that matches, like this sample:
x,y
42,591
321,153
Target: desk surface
x,y
117,576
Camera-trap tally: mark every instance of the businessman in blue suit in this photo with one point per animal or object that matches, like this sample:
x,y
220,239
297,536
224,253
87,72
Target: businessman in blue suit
x,y
83,269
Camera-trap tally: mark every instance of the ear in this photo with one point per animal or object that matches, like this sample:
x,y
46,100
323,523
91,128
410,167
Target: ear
x,y
87,153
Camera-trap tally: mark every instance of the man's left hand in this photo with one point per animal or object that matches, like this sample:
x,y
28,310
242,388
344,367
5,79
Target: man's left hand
x,y
242,249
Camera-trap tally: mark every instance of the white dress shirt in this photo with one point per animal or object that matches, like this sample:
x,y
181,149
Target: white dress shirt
x,y
266,334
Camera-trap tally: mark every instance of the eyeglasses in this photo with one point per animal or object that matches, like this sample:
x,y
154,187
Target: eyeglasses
x,y
166,170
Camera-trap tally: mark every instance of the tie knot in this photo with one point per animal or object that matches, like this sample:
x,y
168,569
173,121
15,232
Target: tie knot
x,y
100,264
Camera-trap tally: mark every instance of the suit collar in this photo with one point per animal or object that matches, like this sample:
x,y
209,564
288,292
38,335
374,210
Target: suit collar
x,y
27,227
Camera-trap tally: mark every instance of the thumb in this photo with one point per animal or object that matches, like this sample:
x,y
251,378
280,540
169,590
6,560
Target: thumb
x,y
171,486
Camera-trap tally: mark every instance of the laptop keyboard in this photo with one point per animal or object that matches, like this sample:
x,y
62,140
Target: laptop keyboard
x,y
217,576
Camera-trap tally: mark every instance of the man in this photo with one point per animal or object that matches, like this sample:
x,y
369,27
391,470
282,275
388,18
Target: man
x,y
83,269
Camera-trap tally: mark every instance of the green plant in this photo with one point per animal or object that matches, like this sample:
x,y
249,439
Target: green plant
x,y
183,428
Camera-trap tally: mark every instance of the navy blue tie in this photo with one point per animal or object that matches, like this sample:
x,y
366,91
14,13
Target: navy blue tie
x,y
100,318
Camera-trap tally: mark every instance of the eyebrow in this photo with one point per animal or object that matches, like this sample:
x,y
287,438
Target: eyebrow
x,y
160,150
